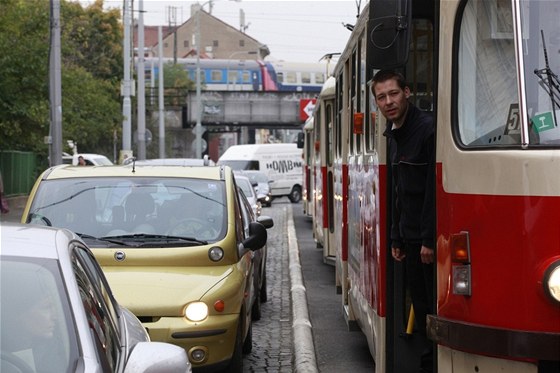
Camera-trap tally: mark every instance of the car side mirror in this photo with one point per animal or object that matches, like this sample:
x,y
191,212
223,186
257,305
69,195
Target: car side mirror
x,y
266,221
157,357
257,236
300,140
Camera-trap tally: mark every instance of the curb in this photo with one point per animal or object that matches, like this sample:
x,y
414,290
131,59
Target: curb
x,y
304,348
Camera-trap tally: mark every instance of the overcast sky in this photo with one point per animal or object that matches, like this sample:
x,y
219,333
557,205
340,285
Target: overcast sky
x,y
294,31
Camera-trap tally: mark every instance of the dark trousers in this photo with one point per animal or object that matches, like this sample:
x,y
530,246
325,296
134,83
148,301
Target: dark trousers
x,y
420,285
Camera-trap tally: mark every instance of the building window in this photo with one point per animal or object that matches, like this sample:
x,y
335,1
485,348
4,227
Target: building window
x,y
165,45
242,43
186,43
215,43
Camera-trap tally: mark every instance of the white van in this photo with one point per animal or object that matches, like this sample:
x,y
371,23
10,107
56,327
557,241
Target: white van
x,y
281,162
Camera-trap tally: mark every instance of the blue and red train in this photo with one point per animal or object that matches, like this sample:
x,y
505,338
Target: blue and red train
x,y
249,75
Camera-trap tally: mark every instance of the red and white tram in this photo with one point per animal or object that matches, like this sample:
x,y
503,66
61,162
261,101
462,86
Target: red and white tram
x,y
488,71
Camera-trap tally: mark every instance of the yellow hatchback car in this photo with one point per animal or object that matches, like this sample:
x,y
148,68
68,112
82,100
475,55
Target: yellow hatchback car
x,y
173,244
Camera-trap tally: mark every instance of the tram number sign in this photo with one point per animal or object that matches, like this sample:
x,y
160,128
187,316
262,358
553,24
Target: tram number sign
x,y
306,107
512,125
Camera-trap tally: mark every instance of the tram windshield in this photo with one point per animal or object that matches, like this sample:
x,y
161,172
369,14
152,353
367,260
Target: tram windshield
x,y
541,50
488,101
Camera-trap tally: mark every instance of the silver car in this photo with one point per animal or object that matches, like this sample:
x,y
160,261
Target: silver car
x,y
261,183
58,313
249,191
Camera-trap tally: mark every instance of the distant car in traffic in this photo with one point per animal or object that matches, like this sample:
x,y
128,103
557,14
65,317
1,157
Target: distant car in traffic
x,y
261,183
249,191
58,313
173,245
259,258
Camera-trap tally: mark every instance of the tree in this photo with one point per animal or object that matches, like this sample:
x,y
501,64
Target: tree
x,y
91,73
24,103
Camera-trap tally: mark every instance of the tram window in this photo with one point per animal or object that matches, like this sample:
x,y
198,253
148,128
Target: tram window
x,y
369,130
232,76
420,65
487,87
280,76
328,119
544,112
319,78
246,75
306,78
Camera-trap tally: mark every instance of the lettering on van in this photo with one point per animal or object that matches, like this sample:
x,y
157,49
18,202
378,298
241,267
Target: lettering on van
x,y
283,166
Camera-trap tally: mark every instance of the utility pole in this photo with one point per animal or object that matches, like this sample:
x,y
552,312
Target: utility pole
x,y
172,15
127,83
55,91
160,96
141,85
198,128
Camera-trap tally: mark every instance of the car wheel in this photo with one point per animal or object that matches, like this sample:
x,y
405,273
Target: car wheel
x,y
295,194
264,294
236,362
248,344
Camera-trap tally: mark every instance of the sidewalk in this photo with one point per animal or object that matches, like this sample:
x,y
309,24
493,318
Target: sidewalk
x,y
17,205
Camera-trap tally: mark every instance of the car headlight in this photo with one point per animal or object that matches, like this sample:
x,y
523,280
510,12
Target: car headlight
x,y
196,311
552,281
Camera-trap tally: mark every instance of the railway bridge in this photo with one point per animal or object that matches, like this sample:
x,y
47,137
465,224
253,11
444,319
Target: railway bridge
x,y
271,110
229,117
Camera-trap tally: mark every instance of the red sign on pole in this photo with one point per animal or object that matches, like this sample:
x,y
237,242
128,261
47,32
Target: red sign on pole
x,y
306,106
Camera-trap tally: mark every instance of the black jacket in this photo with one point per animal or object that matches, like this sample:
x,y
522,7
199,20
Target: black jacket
x,y
412,157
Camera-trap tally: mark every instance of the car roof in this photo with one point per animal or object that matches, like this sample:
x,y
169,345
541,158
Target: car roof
x,y
174,162
68,172
34,241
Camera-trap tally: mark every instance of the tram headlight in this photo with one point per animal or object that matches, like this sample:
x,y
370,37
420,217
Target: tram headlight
x,y
552,281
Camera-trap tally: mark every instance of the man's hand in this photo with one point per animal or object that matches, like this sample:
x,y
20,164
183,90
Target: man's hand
x,y
398,254
426,255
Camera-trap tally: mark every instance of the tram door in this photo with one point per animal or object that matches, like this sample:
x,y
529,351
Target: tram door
x,y
403,341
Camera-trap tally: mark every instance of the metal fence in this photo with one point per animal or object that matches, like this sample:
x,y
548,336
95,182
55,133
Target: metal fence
x,y
19,171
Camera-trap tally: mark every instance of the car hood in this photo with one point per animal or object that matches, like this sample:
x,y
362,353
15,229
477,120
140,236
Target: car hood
x,y
163,291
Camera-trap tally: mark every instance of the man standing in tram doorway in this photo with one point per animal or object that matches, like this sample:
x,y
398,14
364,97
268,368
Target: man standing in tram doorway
x,y
410,134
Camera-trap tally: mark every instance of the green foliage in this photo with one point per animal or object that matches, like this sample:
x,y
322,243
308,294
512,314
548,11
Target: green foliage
x,y
24,100
177,84
91,54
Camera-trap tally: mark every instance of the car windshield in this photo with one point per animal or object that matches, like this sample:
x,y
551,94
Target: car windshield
x,y
142,212
37,326
240,165
246,187
257,177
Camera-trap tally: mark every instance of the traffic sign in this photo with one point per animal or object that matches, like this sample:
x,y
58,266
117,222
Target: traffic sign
x,y
306,107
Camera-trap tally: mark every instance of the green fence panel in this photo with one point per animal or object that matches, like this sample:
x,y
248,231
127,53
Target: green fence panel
x,y
18,171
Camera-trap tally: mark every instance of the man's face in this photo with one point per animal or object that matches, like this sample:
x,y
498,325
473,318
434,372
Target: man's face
x,y
391,99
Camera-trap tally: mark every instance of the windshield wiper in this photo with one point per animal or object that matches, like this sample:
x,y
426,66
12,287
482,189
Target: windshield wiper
x,y
152,240
102,239
33,217
549,81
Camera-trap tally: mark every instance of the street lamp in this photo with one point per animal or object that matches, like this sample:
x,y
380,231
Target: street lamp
x,y
229,62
